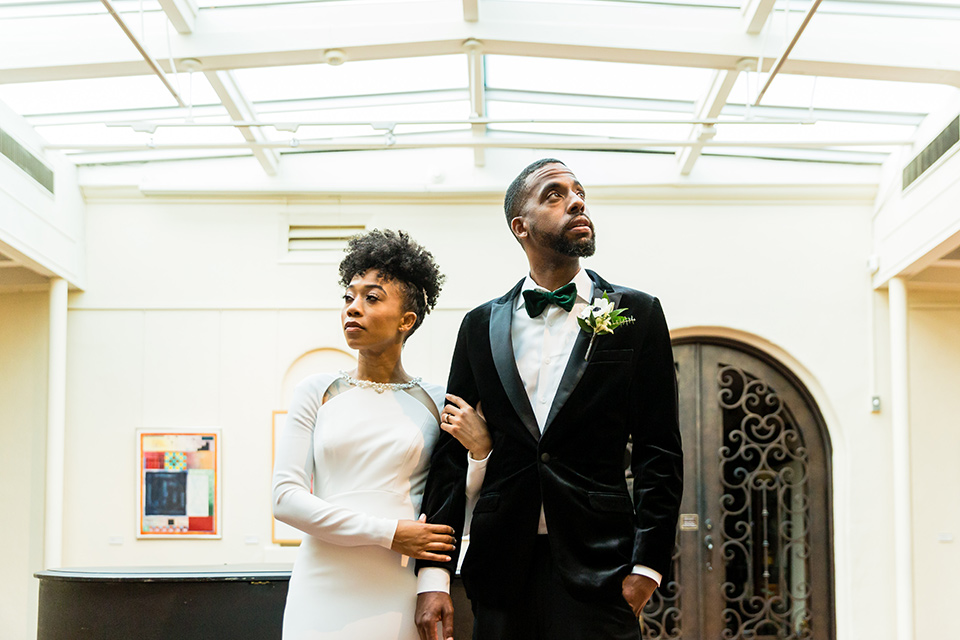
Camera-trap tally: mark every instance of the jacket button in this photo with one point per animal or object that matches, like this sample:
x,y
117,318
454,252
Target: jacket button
x,y
544,457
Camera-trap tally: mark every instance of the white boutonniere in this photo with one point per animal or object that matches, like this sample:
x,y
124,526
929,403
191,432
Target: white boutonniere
x,y
601,318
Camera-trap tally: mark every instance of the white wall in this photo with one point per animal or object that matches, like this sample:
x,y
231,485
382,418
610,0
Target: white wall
x,y
934,344
23,427
188,318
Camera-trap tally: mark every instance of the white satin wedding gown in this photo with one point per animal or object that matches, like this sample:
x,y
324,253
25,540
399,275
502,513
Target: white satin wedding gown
x,y
368,454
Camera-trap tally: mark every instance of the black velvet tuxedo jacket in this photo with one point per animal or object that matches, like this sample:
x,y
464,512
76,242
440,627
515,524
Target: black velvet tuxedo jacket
x,y
597,530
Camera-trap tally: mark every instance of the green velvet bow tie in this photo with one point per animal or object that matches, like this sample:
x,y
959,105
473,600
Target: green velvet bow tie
x,y
536,301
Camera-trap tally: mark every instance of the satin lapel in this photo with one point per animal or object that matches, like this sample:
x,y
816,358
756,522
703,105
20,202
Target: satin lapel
x,y
577,364
501,342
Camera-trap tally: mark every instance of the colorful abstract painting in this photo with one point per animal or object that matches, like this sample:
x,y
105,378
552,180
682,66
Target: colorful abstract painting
x,y
179,483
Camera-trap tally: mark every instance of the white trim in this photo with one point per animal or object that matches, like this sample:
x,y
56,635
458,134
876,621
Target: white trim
x,y
56,425
900,447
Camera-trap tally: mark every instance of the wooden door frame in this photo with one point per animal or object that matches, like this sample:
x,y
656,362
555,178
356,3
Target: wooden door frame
x,y
820,424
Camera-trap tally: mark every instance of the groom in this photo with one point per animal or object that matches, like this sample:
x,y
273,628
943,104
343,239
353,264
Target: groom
x,y
559,550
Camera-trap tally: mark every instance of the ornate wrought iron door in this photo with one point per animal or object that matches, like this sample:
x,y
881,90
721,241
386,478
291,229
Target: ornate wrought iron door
x,y
754,557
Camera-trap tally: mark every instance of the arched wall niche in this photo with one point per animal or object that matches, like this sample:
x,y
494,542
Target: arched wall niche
x,y
323,359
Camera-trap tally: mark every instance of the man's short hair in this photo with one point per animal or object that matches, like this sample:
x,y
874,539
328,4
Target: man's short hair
x,y
513,200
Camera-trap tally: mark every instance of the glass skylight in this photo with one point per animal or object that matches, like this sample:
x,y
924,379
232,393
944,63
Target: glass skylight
x,y
220,4
404,116
529,97
104,94
938,9
362,77
611,128
45,8
596,78
852,94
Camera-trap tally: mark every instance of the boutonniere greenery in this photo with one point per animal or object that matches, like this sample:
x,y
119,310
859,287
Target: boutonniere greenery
x,y
601,318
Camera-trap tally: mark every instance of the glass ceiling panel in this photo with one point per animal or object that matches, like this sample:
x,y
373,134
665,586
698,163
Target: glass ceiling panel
x,y
801,155
104,94
709,4
362,77
885,8
843,93
218,4
94,134
820,131
40,8
510,110
596,78
891,8
440,111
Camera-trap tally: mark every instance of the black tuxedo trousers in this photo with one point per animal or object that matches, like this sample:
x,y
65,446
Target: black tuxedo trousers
x,y
625,386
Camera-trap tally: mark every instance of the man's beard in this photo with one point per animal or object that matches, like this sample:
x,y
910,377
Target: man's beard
x,y
580,248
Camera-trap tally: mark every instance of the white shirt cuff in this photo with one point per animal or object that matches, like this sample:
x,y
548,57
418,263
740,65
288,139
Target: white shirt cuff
x,y
433,579
641,570
476,470
482,461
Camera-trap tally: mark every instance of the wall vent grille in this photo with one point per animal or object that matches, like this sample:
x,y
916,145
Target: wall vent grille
x,y
29,163
324,239
933,152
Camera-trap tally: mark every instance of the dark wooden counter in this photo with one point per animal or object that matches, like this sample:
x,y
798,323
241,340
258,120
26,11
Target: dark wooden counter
x,y
192,603
228,602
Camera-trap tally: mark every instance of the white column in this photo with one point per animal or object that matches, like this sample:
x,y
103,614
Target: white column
x,y
56,424
902,496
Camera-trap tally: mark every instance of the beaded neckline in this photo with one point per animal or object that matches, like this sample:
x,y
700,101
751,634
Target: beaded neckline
x,y
379,387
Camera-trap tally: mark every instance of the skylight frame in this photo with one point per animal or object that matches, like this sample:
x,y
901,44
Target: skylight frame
x,y
657,101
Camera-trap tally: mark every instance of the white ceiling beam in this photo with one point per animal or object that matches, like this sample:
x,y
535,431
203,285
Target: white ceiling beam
x,y
755,14
237,106
835,45
707,109
182,14
471,10
478,99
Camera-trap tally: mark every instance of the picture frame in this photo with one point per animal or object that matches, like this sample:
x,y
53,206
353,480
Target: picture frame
x,y
179,477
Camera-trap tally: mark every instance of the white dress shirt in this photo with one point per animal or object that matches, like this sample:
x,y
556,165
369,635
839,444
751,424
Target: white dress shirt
x,y
541,347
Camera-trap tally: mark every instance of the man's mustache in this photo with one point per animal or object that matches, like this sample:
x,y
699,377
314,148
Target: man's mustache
x,y
580,221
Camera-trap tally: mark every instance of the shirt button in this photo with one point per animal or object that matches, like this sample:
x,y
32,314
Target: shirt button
x,y
544,457
543,400
547,361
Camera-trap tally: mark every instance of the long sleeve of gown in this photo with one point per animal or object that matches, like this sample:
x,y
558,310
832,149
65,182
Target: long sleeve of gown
x,y
293,501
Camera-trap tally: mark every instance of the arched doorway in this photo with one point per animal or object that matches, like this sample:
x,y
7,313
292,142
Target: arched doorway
x,y
754,552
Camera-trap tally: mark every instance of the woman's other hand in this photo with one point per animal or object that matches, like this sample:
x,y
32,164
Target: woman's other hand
x,y
417,539
467,425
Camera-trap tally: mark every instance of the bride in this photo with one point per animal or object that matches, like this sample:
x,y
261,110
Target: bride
x,y
353,459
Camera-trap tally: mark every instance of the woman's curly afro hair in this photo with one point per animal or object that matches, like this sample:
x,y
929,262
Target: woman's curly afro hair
x,y
399,259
